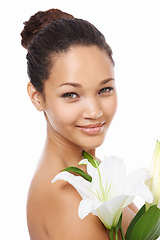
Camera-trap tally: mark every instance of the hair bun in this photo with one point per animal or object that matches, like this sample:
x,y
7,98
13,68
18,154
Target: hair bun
x,y
37,22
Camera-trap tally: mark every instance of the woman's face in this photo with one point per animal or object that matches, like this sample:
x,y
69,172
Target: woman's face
x,y
80,97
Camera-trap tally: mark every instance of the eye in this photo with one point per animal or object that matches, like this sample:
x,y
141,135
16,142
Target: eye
x,y
70,95
106,90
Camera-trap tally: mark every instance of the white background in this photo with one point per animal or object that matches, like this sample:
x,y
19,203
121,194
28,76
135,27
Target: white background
x,y
132,29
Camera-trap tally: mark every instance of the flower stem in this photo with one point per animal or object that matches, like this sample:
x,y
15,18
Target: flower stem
x,y
122,234
111,234
116,235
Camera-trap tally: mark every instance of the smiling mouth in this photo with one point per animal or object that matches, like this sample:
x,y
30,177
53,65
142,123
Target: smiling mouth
x,y
92,128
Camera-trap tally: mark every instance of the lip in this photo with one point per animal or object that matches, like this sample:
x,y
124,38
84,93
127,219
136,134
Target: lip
x,y
92,128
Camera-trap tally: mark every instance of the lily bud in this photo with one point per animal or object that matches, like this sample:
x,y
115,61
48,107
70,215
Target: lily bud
x,y
154,182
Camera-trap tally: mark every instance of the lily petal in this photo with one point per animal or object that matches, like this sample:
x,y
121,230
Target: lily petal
x,y
79,183
83,162
143,191
112,166
110,211
90,169
137,176
87,206
111,169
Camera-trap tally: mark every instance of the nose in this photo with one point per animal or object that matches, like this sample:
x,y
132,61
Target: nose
x,y
92,110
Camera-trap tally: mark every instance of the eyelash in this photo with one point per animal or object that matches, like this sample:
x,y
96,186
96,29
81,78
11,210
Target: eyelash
x,y
69,95
109,89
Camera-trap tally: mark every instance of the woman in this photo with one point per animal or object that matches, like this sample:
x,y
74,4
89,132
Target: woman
x,y
71,73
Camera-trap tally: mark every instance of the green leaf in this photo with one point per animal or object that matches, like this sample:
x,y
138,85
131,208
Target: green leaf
x,y
91,159
148,226
79,172
133,222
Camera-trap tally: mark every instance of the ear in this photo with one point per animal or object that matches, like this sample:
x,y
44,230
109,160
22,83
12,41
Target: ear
x,y
36,97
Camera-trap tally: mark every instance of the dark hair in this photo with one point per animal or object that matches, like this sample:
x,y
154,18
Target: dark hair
x,y
52,32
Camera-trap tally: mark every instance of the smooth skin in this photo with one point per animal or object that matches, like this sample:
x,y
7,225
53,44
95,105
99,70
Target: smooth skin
x,y
79,103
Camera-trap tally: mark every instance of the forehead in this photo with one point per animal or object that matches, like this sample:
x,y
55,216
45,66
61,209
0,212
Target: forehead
x,y
81,63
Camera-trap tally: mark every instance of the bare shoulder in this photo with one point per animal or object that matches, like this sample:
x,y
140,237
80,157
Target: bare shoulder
x,y
35,210
52,213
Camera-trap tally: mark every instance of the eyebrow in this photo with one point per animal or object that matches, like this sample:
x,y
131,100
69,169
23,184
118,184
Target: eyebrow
x,y
106,81
73,84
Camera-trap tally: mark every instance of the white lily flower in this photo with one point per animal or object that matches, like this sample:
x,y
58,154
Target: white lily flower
x,y
109,191
154,182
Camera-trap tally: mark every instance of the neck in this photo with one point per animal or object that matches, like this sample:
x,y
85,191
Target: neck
x,y
63,149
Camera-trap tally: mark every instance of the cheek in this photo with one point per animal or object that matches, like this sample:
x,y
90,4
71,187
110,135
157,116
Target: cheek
x,y
63,115
110,107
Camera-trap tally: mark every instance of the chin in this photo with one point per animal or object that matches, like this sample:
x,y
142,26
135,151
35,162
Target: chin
x,y
92,145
